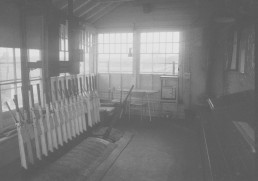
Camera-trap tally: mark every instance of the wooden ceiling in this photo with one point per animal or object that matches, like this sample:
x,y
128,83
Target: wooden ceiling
x,y
93,10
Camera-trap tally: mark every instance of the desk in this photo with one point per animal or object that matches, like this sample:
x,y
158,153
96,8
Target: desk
x,y
148,93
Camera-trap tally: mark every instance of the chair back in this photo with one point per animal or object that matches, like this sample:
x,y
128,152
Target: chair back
x,y
138,96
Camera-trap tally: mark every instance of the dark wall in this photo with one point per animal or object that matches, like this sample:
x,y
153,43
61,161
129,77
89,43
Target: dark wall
x,y
223,80
10,27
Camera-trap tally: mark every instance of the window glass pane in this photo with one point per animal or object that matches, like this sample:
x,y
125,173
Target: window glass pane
x,y
82,68
130,38
156,37
149,48
123,37
146,68
159,58
35,73
117,48
66,44
168,68
175,47
112,48
170,58
7,94
106,38
124,48
18,55
6,71
143,37
169,37
149,37
118,45
103,67
162,36
87,63
158,68
143,48
6,55
176,68
146,58
35,93
34,55
162,54
100,38
114,63
176,36
18,70
162,48
66,56
112,38
118,38
19,95
103,57
62,43
169,48
61,56
106,48
130,46
100,48
156,48
126,63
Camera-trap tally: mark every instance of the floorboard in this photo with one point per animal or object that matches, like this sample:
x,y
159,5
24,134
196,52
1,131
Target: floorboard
x,y
163,150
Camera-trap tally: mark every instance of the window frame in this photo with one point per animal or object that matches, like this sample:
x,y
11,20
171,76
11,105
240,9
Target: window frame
x,y
16,84
160,41
63,39
122,40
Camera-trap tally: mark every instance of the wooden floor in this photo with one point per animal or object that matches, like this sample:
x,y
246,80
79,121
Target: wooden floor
x,y
163,150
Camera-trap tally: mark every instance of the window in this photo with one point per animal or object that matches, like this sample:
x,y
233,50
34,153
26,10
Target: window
x,y
10,77
85,45
34,55
114,53
63,42
159,53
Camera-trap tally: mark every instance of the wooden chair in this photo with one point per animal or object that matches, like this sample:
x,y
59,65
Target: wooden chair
x,y
138,101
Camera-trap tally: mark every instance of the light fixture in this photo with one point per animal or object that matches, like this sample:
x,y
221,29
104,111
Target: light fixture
x,y
130,54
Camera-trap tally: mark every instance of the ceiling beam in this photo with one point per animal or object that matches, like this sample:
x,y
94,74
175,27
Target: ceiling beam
x,y
63,5
85,11
82,5
97,11
103,13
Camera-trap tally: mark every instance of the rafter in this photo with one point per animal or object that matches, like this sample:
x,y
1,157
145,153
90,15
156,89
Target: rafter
x,y
103,13
98,11
89,9
82,5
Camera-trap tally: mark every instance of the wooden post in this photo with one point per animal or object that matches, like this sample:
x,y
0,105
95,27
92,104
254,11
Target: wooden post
x,y
24,59
256,85
70,30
